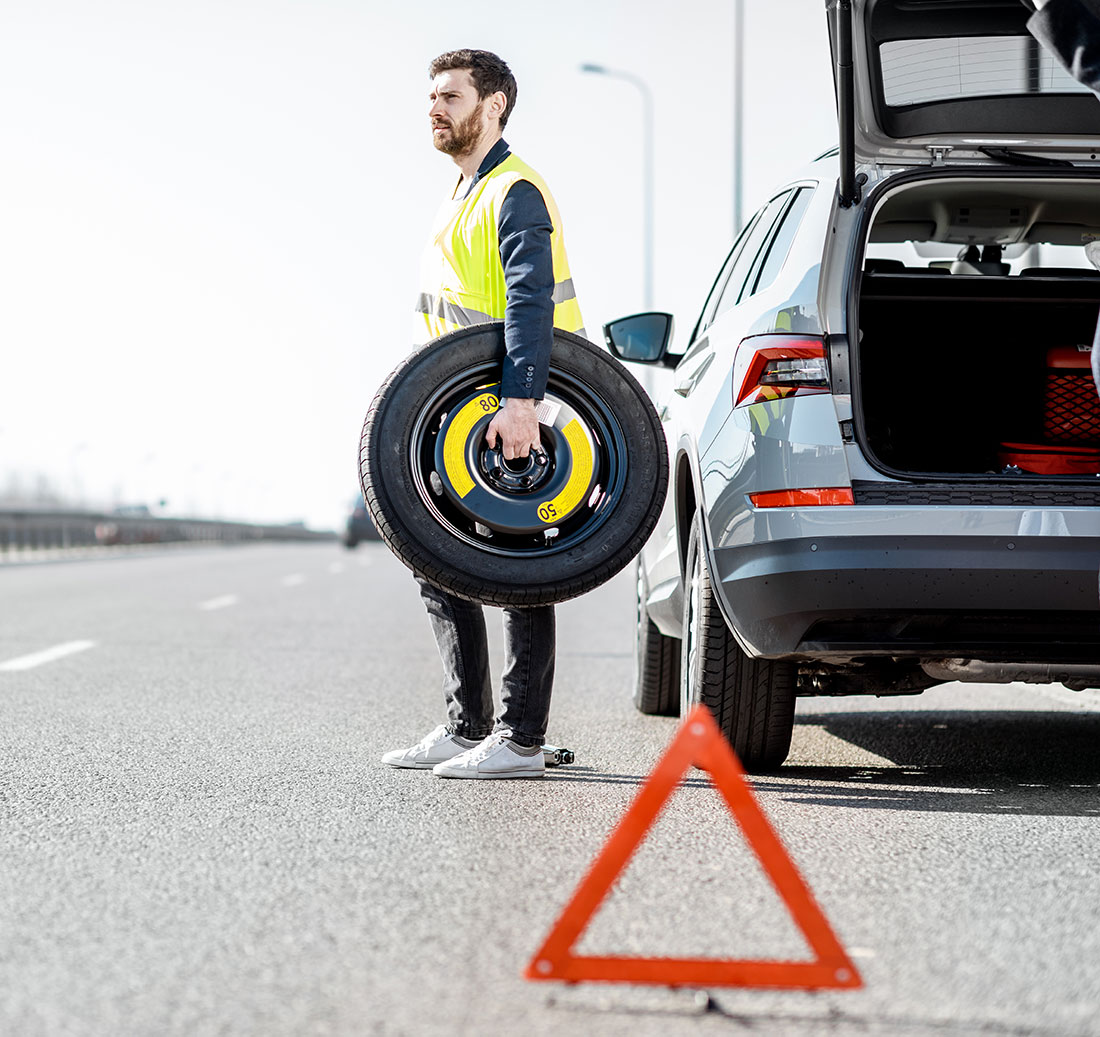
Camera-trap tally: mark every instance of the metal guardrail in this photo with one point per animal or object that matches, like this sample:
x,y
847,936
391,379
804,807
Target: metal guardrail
x,y
34,529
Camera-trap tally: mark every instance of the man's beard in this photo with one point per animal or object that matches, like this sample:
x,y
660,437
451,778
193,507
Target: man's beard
x,y
464,137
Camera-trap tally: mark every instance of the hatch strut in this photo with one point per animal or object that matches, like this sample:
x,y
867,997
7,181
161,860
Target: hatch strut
x,y
845,100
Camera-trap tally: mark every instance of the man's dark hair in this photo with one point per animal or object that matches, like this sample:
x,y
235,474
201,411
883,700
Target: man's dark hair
x,y
488,72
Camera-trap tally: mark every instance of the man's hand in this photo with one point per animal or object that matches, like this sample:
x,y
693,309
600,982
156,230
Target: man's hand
x,y
518,428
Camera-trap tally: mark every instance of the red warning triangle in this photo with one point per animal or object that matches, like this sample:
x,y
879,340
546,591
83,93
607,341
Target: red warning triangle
x,y
698,742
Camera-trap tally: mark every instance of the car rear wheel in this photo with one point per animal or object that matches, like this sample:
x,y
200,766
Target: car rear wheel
x,y
656,660
751,699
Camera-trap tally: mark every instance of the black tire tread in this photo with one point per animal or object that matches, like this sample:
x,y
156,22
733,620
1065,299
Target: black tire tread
x,y
751,699
657,678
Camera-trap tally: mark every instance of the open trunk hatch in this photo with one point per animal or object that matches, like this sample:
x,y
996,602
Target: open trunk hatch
x,y
956,81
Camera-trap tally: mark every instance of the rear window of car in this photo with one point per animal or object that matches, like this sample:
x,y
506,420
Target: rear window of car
x,y
711,305
760,235
927,70
781,243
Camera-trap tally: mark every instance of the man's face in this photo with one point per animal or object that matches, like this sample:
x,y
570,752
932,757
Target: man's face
x,y
458,116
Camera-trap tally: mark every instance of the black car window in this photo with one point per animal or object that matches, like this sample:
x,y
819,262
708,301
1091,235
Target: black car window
x,y
781,242
711,304
745,262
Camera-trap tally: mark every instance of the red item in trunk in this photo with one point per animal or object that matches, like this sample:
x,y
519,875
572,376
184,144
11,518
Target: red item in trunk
x,y
1071,405
1050,458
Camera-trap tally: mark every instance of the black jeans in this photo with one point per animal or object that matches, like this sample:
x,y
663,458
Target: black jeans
x,y
529,642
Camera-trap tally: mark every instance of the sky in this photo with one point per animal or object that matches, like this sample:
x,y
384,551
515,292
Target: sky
x,y
212,213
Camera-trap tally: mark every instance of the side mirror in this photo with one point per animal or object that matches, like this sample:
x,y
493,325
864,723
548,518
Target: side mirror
x,y
642,339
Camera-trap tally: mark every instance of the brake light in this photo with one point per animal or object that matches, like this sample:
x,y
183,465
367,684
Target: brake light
x,y
778,366
803,498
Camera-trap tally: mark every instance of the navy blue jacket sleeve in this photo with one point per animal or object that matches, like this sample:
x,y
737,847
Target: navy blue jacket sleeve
x,y
523,229
1070,30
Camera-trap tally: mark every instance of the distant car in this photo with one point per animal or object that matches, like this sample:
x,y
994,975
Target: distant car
x,y
884,439
359,526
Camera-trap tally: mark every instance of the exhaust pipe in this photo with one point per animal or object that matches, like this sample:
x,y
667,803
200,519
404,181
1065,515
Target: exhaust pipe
x,y
1076,676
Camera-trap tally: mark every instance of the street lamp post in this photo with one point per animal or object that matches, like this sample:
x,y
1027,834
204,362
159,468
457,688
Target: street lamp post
x,y
738,107
647,174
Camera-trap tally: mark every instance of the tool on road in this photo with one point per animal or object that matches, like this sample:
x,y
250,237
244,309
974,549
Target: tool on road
x,y
556,756
700,742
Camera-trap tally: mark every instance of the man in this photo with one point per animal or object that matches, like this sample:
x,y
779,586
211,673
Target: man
x,y
1070,30
496,251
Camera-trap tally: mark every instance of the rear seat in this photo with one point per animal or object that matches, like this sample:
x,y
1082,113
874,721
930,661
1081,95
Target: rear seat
x,y
896,266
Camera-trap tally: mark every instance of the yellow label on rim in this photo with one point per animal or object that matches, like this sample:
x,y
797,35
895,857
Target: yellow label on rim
x,y
572,493
458,432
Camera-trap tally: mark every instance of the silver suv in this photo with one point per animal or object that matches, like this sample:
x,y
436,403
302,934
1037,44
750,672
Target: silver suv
x,y
883,434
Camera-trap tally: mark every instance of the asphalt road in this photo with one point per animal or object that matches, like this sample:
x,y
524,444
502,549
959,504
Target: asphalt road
x,y
198,839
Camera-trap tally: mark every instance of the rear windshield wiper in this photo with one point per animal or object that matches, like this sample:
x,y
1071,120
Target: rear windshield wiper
x,y
1018,158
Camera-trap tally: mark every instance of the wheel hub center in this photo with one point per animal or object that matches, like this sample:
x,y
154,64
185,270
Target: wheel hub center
x,y
518,475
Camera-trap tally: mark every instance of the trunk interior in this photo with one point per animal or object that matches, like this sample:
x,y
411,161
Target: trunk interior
x,y
975,365
953,368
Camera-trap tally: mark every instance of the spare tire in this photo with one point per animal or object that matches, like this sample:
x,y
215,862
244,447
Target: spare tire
x,y
519,533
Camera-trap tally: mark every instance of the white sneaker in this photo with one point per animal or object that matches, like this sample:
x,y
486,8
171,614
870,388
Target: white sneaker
x,y
495,757
430,750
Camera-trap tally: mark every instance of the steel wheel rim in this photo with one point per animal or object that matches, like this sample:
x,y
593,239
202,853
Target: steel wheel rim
x,y
610,460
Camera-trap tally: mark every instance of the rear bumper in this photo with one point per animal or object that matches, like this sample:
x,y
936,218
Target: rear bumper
x,y
1029,598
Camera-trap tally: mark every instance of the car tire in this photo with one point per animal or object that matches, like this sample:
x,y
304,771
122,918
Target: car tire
x,y
752,699
456,514
656,659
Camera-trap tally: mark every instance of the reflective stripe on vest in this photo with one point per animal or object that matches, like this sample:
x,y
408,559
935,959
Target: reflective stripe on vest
x,y
463,280
439,309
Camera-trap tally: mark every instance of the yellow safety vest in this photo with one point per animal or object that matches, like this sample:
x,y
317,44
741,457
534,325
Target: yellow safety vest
x,y
462,280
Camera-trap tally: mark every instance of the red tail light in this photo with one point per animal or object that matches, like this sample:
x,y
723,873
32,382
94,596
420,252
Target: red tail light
x,y
803,498
773,367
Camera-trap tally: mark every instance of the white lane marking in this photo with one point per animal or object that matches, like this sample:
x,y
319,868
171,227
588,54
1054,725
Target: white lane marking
x,y
293,580
47,655
336,568
219,603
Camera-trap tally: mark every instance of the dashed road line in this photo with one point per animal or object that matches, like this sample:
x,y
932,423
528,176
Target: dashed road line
x,y
293,580
222,602
47,655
